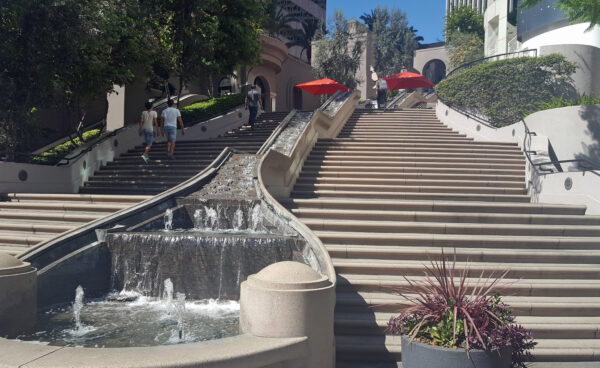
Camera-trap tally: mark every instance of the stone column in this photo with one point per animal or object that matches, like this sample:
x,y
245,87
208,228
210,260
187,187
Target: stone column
x,y
115,116
290,299
18,296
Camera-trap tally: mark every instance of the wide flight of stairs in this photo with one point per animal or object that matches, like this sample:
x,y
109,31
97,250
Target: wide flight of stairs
x,y
129,174
29,219
396,187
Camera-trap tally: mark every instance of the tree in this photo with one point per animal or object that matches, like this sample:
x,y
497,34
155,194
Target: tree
x,y
310,29
394,41
577,11
338,56
210,36
465,19
62,54
464,48
368,19
418,39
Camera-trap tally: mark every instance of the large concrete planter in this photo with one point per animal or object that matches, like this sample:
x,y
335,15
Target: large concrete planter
x,y
419,355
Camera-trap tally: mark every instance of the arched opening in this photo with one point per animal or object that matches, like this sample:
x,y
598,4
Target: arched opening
x,y
265,94
225,87
297,98
434,70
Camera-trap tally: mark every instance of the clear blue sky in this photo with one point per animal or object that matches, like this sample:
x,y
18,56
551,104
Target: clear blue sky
x,y
427,16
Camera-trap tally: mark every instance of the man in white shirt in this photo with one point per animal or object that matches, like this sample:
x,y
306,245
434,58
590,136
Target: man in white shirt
x,y
147,123
170,117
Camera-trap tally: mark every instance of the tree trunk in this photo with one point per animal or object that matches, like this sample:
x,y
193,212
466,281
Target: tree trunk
x,y
179,92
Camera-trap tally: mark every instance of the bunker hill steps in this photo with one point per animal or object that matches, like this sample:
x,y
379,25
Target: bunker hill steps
x,y
29,219
129,174
397,187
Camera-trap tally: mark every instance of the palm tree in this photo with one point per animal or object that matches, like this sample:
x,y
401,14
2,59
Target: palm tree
x,y
277,20
311,28
369,19
418,39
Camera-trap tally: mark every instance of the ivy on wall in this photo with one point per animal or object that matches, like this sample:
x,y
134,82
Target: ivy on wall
x,y
505,91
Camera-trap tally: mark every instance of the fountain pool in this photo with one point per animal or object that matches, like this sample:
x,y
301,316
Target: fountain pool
x,y
129,319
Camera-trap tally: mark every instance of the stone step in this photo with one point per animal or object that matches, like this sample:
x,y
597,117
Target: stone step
x,y
412,196
416,150
47,227
23,239
437,206
390,155
30,216
312,174
457,241
387,267
416,160
410,182
388,226
401,134
361,302
365,171
443,217
101,207
392,138
390,142
422,163
559,288
127,175
19,197
402,189
139,181
387,348
541,327
118,189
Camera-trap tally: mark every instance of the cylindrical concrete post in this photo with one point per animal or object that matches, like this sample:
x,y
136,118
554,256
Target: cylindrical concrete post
x,y
18,296
290,299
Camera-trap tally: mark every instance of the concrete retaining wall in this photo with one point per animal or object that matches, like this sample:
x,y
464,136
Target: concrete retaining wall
x,y
572,133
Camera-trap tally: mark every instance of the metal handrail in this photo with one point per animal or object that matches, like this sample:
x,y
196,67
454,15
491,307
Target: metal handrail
x,y
507,55
592,166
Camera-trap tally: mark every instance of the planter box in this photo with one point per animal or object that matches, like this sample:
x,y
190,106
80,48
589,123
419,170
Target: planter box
x,y
419,355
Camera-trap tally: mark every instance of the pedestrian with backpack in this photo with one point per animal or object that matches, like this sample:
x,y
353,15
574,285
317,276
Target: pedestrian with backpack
x,y
253,102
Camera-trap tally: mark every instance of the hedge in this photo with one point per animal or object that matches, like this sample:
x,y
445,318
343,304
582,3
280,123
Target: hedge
x,y
205,110
57,153
505,91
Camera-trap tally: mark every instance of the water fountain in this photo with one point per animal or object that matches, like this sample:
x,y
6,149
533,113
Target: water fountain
x,y
175,277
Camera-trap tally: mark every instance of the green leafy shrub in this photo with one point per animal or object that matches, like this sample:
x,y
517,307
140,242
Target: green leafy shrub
x,y
505,91
582,100
207,109
55,154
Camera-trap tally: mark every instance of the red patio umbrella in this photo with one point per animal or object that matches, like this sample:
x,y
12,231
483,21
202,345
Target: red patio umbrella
x,y
407,80
322,87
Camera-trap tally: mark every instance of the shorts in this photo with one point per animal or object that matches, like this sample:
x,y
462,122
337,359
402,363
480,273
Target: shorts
x,y
171,133
148,137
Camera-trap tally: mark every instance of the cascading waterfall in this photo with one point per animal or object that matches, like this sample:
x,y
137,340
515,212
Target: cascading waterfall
x,y
198,224
168,219
238,220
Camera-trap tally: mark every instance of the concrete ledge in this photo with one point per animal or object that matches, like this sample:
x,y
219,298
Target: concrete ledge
x,y
244,351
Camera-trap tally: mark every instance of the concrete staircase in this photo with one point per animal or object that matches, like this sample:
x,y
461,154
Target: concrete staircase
x,y
29,219
129,174
396,187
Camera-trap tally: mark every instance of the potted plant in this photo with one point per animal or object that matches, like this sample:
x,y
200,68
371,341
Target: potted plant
x,y
452,323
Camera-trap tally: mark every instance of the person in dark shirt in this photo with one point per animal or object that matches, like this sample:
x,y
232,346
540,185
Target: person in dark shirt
x,y
253,102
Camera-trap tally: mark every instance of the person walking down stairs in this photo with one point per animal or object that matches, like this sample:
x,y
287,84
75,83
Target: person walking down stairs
x,y
170,117
148,122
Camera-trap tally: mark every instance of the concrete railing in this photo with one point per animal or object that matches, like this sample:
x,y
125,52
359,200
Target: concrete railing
x,y
30,178
244,351
561,135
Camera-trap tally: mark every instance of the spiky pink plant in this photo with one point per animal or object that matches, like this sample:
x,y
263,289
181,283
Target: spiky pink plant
x,y
444,312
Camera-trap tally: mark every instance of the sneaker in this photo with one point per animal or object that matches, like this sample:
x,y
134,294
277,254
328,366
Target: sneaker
x,y
145,157
171,157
